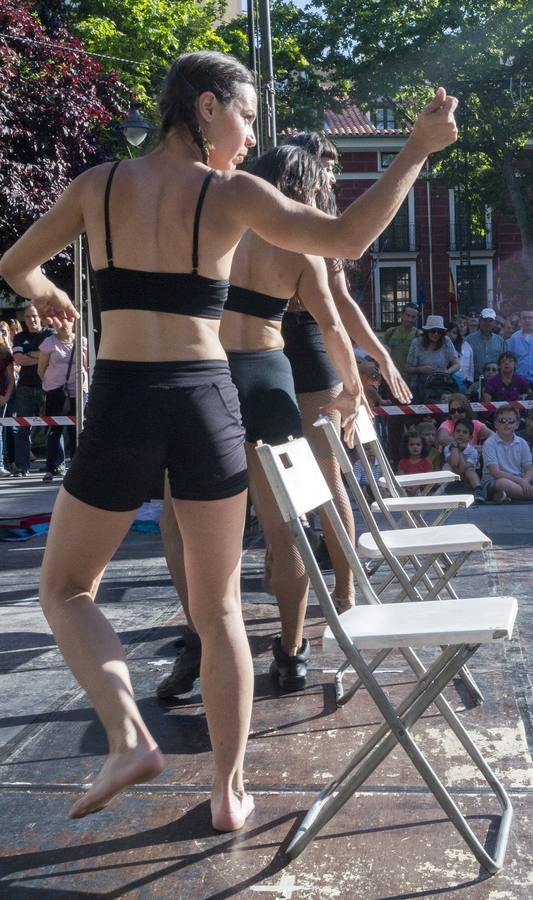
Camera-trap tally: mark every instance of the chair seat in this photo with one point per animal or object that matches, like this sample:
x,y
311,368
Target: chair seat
x,y
444,477
476,620
423,541
425,504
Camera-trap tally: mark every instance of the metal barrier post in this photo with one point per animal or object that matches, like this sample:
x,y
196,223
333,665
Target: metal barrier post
x,y
78,334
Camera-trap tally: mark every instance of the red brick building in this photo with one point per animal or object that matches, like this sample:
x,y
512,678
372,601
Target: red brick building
x,y
426,243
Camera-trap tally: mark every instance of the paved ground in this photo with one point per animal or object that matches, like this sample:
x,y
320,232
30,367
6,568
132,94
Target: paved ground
x,y
391,841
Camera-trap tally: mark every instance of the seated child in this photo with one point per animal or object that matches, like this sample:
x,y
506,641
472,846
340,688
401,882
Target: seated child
x,y
413,457
461,457
428,433
507,462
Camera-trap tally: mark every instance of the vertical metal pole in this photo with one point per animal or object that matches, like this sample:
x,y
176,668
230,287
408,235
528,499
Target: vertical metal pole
x,y
430,241
268,72
91,346
78,333
254,63
251,35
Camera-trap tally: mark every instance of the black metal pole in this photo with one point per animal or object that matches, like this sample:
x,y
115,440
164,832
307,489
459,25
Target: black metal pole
x,y
250,14
267,86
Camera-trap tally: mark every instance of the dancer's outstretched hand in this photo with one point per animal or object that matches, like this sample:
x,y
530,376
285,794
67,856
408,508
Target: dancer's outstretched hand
x,y
435,127
348,406
55,308
400,390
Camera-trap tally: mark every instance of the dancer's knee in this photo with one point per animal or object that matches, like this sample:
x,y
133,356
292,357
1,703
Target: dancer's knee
x,y
55,592
217,620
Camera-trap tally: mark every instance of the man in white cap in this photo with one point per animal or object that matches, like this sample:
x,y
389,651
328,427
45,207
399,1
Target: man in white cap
x,y
486,346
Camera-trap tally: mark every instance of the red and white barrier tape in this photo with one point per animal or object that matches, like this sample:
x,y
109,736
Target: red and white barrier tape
x,y
424,409
418,409
30,421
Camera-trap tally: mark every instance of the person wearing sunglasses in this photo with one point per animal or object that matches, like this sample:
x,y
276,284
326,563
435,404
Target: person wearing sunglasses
x,y
459,408
430,354
507,462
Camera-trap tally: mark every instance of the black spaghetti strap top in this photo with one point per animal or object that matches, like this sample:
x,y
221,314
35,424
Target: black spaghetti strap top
x,y
183,293
252,303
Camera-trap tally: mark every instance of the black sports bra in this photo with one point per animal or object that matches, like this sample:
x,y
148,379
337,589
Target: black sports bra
x,y
183,293
252,303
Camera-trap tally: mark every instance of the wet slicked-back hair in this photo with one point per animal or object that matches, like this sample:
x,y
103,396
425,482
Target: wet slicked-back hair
x,y
189,76
292,170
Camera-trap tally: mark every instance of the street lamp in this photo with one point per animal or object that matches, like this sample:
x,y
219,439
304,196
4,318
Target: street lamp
x,y
135,128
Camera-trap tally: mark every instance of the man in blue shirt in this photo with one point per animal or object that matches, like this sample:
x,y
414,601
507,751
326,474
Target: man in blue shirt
x,y
521,344
486,346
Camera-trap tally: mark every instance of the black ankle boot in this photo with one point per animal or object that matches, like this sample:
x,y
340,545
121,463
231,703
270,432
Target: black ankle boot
x,y
289,671
186,668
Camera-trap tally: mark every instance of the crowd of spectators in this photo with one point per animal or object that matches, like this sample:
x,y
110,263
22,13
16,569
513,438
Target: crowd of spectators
x,y
473,357
478,357
37,376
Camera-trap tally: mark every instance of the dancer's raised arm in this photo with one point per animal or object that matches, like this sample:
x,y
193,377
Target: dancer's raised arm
x,y
297,227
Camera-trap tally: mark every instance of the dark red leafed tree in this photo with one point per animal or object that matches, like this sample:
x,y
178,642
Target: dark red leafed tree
x,y
56,106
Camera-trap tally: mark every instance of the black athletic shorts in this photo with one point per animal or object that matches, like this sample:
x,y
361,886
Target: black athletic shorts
x,y
143,418
266,392
305,349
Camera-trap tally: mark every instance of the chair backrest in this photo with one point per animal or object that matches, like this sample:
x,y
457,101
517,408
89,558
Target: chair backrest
x,y
327,427
335,443
299,487
366,435
294,476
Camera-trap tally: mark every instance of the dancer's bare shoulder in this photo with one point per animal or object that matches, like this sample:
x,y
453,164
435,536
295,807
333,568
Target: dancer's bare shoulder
x,y
280,221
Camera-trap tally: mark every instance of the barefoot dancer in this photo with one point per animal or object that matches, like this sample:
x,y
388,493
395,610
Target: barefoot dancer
x,y
160,358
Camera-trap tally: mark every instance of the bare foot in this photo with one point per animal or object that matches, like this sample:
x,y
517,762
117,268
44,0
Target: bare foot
x,y
119,772
231,814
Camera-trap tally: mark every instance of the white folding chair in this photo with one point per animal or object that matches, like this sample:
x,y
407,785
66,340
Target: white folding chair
x,y
462,626
413,508
426,548
435,542
431,483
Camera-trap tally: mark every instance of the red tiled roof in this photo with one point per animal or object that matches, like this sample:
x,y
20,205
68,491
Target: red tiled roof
x,y
351,121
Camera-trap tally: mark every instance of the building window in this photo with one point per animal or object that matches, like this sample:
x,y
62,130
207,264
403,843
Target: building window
x,y
470,229
472,287
397,236
395,292
385,159
383,117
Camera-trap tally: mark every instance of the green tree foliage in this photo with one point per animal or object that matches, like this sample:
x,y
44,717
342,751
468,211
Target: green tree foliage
x,y
405,50
304,87
145,36
56,106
